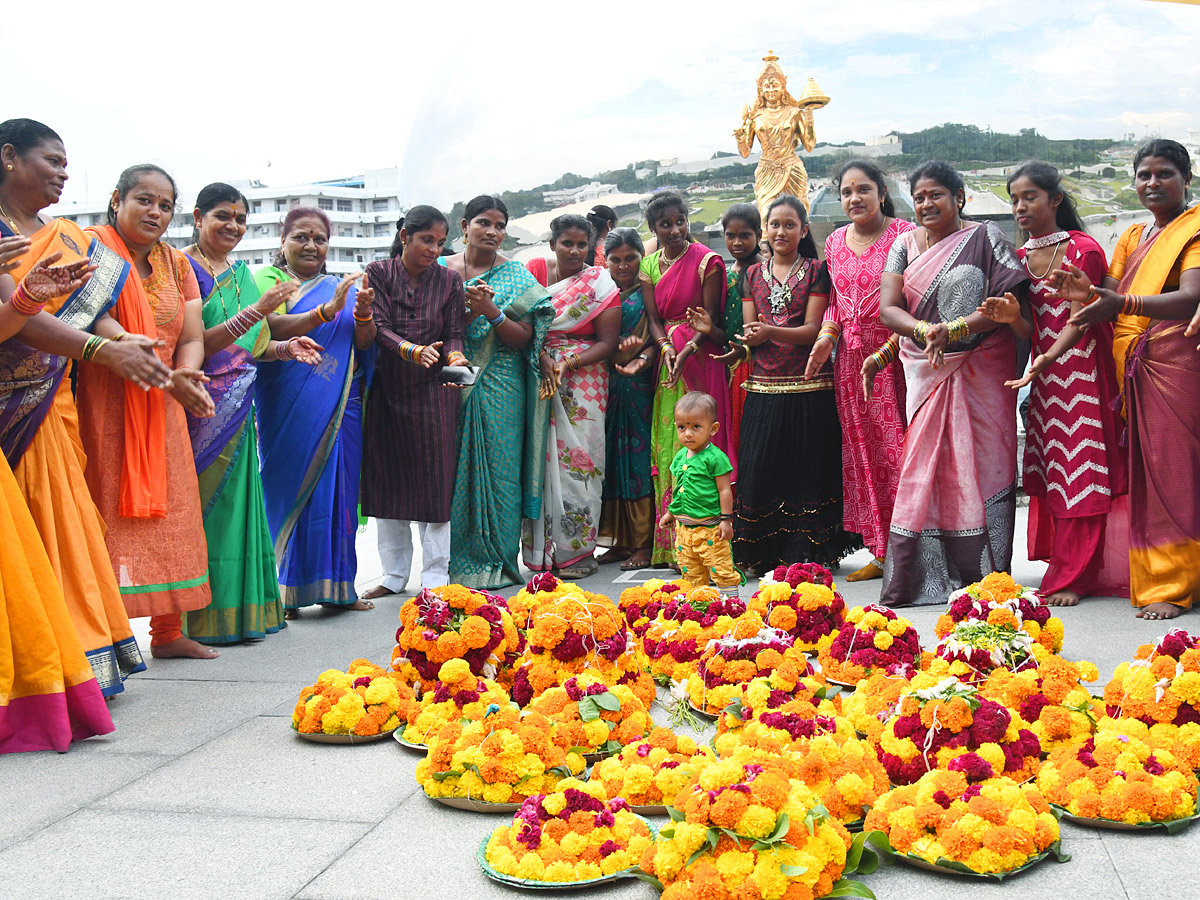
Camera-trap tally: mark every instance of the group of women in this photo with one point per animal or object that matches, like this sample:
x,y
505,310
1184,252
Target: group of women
x,y
191,442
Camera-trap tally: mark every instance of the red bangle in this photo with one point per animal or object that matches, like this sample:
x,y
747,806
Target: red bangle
x,y
22,303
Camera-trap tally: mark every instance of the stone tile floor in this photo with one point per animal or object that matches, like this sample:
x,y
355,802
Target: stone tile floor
x,y
203,791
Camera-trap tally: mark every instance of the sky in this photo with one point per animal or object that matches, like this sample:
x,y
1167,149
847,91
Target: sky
x,y
469,97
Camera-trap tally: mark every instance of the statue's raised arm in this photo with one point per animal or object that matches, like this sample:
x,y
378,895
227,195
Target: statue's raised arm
x,y
781,123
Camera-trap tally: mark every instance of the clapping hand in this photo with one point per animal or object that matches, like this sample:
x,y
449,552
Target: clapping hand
x,y
818,356
133,358
1005,310
187,386
699,320
936,339
11,250
46,281
1070,283
755,333
363,299
306,350
480,301
430,354
1039,365
276,297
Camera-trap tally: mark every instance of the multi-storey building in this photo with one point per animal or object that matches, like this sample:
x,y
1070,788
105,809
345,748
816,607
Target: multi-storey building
x,y
362,210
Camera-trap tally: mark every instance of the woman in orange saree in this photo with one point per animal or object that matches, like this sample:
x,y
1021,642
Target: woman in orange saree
x,y
1153,289
140,467
48,694
39,430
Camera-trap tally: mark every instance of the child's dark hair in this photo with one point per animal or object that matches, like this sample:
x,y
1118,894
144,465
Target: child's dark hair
x,y
873,172
808,247
1049,180
697,401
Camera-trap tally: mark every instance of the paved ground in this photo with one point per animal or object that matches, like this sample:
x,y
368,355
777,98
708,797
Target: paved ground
x,y
203,791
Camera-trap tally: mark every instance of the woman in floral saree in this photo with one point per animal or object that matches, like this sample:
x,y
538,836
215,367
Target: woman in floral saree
x,y
583,335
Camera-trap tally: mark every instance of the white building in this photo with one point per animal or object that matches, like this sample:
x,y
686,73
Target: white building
x,y
591,191
362,210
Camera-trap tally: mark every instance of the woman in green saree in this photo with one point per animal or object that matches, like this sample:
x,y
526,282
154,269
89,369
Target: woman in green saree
x,y
502,424
245,604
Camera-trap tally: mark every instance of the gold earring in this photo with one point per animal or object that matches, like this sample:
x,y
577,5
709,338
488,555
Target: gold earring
x,y
10,168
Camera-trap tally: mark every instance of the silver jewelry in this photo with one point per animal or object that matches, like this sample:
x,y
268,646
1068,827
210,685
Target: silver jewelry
x,y
1046,240
781,294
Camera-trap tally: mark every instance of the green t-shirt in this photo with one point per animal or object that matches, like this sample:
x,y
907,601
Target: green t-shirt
x,y
695,494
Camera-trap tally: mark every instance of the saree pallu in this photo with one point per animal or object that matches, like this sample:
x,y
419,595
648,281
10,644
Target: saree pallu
x,y
161,563
565,533
499,477
1162,386
955,509
739,372
682,287
48,693
627,511
310,448
39,431
241,560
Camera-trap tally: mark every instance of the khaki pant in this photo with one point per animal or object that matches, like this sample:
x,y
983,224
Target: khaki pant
x,y
701,555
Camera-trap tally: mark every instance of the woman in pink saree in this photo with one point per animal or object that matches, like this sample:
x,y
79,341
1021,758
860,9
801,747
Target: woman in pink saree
x,y
683,283
956,502
583,335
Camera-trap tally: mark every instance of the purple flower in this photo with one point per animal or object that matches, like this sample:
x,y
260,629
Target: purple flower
x,y
608,848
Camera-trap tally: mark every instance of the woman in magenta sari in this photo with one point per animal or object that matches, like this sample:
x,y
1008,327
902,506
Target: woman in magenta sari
x,y
956,501
583,335
679,281
1153,288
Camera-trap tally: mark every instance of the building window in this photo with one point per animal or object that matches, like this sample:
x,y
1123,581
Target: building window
x,y
294,201
379,203
344,206
256,206
258,260
360,259
280,205
382,229
348,254
345,232
380,254
324,203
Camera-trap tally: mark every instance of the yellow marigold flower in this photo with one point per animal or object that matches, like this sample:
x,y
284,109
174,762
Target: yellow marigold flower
x,y
883,640
897,627
757,821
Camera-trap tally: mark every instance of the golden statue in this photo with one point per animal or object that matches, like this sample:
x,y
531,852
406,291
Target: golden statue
x,y
782,123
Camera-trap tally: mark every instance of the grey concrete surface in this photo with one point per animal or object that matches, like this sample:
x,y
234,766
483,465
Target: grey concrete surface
x,y
204,791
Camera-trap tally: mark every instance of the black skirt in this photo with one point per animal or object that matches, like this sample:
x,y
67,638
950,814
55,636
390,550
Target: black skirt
x,y
788,505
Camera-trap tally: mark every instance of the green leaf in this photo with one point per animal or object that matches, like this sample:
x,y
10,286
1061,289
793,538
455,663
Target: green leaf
x,y
828,692
815,816
695,856
610,746
676,815
1057,850
735,709
957,866
649,879
793,871
713,838
735,837
607,701
668,832
580,750
589,711
561,771
848,887
881,845
442,776
782,824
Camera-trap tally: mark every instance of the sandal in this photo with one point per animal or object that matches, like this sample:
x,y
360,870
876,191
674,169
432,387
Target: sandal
x,y
633,563
582,569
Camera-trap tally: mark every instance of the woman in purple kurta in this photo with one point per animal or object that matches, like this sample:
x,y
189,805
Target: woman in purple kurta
x,y
409,457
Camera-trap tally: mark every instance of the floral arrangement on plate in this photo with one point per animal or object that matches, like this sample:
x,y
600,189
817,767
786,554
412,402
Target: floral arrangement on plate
x,y
974,649
877,697
458,694
843,772
677,637
652,771
451,622
1119,777
595,717
642,603
749,650
950,725
747,831
1051,698
542,590
967,817
873,639
506,757
1161,684
573,635
364,701
801,600
776,730
572,834
806,695
998,600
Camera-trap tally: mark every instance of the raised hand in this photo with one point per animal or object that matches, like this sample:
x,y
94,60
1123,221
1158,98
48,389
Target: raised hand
x,y
480,301
699,320
363,299
187,386
306,350
1005,310
1070,283
339,295
46,281
11,250
430,354
276,297
630,342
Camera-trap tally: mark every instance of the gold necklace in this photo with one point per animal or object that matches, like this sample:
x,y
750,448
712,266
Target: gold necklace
x,y
957,223
867,243
11,221
664,262
221,290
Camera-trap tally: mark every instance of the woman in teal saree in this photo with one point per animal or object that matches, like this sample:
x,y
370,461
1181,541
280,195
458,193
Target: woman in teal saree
x,y
502,424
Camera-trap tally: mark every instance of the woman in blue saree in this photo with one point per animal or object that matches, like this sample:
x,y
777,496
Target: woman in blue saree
x,y
502,424
310,420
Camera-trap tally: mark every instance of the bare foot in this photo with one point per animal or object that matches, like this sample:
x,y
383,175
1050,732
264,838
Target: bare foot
x,y
184,648
638,560
1063,598
378,591
361,605
1160,611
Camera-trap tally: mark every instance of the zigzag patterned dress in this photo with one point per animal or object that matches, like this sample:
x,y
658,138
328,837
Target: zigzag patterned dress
x,y
1074,464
